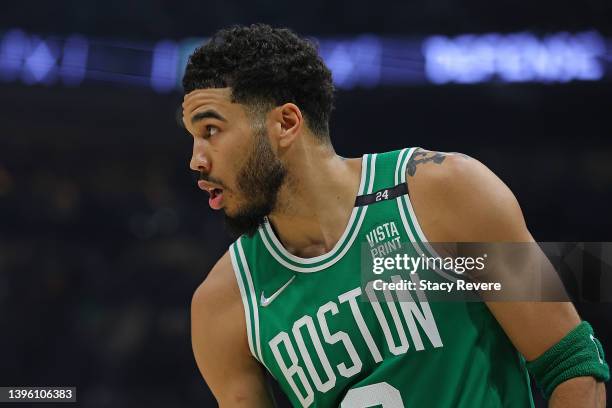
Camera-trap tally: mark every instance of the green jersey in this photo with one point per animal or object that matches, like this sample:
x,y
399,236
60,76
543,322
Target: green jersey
x,y
307,324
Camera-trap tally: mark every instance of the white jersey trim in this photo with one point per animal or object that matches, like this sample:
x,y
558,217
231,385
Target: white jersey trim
x,y
400,177
245,301
274,246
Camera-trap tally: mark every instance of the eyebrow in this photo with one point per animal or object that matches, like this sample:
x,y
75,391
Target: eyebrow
x,y
206,115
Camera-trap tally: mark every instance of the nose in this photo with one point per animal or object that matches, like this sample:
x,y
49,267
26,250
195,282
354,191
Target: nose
x,y
199,162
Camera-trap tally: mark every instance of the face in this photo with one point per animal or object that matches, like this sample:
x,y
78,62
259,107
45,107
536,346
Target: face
x,y
232,153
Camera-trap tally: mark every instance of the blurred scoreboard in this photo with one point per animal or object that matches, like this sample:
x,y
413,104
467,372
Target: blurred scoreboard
x,y
364,61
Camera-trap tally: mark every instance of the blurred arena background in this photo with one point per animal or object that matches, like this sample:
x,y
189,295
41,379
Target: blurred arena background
x,y
103,233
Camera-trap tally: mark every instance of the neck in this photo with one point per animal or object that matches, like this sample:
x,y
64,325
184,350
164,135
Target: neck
x,y
315,204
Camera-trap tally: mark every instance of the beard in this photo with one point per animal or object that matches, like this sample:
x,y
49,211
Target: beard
x,y
258,181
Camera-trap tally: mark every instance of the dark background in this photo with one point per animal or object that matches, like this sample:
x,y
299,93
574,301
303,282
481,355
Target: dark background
x,y
104,235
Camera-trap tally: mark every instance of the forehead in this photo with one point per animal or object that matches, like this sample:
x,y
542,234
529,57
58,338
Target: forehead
x,y
209,98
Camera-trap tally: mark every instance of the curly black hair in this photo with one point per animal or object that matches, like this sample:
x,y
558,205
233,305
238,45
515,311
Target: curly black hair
x,y
265,66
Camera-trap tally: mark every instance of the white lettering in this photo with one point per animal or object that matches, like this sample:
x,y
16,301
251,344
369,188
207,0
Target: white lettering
x,y
293,369
336,337
403,340
425,318
297,334
350,297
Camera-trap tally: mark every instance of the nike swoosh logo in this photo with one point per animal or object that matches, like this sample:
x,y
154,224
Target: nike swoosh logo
x,y
265,301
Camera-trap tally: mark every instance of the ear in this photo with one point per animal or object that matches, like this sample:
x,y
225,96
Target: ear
x,y
291,121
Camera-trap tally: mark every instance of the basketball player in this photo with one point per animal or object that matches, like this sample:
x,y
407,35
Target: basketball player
x,y
286,296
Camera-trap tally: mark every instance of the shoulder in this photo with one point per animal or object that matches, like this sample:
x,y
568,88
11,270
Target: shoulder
x,y
219,287
219,341
453,178
217,303
442,168
458,199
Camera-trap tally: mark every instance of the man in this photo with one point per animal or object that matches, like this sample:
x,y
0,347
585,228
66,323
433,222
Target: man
x,y
286,296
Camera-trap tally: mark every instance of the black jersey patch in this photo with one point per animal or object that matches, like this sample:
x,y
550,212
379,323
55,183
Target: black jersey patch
x,y
382,195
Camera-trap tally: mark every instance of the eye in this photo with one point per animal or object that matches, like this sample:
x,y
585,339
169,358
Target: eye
x,y
210,130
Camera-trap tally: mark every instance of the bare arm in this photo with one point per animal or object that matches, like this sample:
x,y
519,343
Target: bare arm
x,y
218,334
460,200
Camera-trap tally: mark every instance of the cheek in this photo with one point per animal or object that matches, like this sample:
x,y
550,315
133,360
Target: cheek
x,y
234,150
240,161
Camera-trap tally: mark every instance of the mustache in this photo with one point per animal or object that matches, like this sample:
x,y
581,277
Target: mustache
x,y
199,175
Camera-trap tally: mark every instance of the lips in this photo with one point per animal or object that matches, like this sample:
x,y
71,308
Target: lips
x,y
216,194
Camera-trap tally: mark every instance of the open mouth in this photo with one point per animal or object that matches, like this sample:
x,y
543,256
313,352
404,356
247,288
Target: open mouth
x,y
216,198
216,194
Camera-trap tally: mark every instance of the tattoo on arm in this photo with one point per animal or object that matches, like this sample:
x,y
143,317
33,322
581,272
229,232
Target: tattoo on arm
x,y
425,156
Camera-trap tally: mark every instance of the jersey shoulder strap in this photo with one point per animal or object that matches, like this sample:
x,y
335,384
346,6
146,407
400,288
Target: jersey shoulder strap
x,y
390,180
